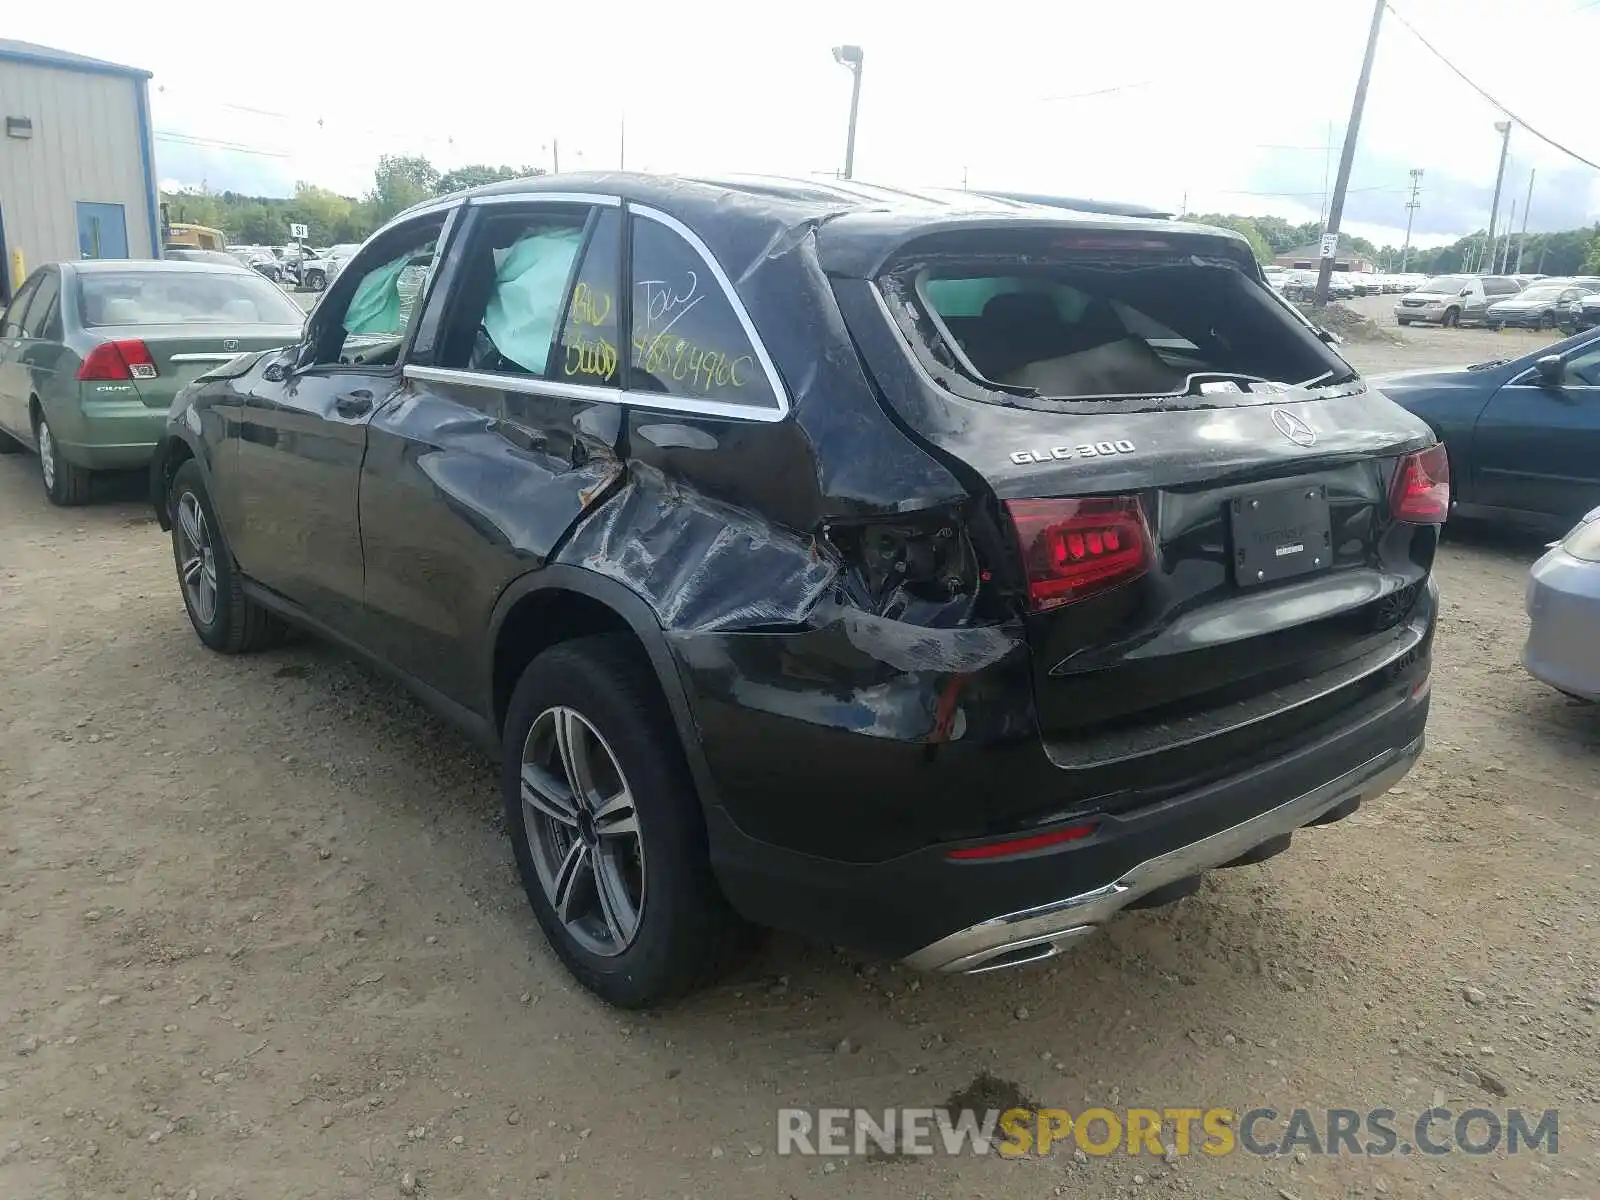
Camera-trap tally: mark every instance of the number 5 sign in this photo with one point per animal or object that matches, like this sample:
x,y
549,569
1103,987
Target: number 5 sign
x,y
1330,245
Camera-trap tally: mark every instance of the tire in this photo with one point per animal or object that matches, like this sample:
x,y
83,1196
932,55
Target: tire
x,y
231,623
1404,321
1547,321
66,484
316,280
1451,318
668,929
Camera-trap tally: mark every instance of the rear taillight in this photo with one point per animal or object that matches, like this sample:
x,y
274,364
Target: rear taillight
x,y
1072,549
1421,490
1022,845
127,359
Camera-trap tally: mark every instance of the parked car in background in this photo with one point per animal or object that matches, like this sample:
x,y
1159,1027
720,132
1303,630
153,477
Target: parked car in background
x,y
1363,283
1544,304
259,259
92,354
317,273
1563,602
1586,313
1451,300
1523,434
824,592
1302,286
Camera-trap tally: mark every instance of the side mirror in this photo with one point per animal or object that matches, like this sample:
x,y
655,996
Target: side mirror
x,y
1466,291
1551,370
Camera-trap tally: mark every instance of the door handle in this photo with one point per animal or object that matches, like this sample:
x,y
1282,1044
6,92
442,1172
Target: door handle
x,y
354,404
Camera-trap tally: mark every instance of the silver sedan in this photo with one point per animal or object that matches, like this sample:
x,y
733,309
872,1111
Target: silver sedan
x,y
1564,613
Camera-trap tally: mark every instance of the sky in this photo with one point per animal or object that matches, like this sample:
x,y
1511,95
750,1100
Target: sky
x,y
1220,106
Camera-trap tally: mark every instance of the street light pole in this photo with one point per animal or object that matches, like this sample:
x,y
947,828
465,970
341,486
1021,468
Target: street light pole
x,y
851,57
1504,129
1346,158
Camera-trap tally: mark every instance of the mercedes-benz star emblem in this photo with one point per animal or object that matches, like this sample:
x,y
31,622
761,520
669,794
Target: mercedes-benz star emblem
x,y
1293,428
230,343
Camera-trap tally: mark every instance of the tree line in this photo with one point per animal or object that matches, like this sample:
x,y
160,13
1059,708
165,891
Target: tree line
x,y
399,181
1566,252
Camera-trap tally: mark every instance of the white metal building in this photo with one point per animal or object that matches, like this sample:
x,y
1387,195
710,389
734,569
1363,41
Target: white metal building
x,y
77,161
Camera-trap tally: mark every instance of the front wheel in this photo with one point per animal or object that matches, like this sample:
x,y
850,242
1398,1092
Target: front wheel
x,y
1547,321
224,618
316,280
65,483
1404,321
1451,318
607,829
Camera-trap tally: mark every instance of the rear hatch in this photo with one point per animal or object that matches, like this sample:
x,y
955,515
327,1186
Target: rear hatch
x,y
1194,498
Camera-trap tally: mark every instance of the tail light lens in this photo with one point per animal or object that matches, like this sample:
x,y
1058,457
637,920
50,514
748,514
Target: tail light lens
x,y
1072,549
1421,490
127,359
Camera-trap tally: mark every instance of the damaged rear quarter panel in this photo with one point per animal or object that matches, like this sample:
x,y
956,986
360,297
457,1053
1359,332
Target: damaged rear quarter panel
x,y
722,527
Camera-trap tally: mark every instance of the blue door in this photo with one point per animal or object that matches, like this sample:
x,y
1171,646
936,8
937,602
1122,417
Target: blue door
x,y
102,231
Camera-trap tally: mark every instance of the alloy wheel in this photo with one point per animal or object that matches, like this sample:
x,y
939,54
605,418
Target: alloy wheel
x,y
47,455
583,831
197,559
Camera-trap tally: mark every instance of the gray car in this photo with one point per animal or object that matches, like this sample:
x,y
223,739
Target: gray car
x,y
1563,603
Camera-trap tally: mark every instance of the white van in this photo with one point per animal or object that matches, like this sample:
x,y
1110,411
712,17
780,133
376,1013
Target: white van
x,y
1454,299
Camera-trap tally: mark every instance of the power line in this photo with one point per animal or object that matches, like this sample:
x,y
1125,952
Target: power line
x,y
1465,79
185,139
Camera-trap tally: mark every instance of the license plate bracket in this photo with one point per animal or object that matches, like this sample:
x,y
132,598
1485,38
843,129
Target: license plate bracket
x,y
1280,534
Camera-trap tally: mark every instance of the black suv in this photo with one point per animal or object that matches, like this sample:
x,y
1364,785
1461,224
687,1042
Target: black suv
x,y
934,578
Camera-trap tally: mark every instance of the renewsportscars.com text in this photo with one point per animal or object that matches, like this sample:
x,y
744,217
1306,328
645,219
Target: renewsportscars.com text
x,y
1377,1132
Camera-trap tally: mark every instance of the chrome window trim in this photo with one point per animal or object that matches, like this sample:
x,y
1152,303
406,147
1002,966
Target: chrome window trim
x,y
756,344
222,356
547,198
532,385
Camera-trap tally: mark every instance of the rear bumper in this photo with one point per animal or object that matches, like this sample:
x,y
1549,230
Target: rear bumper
x,y
108,435
1563,602
1038,933
973,914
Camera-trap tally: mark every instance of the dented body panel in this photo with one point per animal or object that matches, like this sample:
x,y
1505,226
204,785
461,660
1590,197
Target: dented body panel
x,y
830,592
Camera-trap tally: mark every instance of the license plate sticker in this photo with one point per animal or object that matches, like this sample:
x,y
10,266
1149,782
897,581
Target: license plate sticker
x,y
1280,534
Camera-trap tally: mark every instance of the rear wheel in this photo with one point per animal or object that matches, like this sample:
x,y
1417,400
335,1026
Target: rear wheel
x,y
1451,318
1404,320
224,618
316,280
65,483
1547,321
607,829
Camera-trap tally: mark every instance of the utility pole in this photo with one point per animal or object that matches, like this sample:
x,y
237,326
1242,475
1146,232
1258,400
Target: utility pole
x,y
1503,258
555,155
622,142
851,57
1504,129
1330,236
1522,240
1411,211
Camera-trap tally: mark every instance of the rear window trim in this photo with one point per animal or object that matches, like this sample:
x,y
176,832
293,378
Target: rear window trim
x,y
982,391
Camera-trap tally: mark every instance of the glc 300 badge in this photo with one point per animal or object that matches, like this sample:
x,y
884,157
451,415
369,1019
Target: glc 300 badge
x,y
1024,458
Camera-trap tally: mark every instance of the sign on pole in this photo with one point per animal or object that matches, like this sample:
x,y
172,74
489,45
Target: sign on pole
x,y
298,232
1330,245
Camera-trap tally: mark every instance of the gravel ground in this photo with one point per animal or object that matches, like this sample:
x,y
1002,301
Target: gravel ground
x,y
263,939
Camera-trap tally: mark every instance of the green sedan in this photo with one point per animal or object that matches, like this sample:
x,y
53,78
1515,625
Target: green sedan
x,y
93,353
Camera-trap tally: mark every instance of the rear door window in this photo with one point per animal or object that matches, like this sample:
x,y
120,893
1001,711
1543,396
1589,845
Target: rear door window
x,y
44,313
11,323
689,340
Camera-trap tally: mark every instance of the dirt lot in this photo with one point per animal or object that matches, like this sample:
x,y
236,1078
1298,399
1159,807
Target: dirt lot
x,y
263,939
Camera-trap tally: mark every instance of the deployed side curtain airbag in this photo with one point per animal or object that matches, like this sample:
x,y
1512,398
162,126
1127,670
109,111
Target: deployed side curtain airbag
x,y
375,308
530,280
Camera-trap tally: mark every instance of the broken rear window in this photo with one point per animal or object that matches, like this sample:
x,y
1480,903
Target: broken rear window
x,y
1152,318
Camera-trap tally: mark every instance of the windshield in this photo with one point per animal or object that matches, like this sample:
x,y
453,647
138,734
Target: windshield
x,y
1542,293
1446,283
182,297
